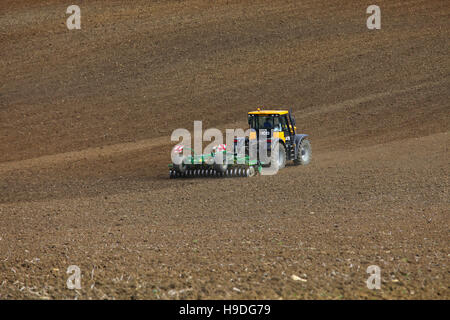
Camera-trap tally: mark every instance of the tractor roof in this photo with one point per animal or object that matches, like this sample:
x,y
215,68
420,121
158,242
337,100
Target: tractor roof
x,y
268,112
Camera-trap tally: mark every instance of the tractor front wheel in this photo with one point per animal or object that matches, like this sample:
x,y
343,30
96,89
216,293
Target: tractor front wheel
x,y
278,155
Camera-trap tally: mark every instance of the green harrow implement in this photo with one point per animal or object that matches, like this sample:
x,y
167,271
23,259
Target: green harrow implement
x,y
211,165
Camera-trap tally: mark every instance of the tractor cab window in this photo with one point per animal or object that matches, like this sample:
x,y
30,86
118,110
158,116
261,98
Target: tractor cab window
x,y
276,124
261,122
267,122
283,123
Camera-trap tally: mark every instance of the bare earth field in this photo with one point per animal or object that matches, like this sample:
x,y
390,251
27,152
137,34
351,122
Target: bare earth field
x,y
85,123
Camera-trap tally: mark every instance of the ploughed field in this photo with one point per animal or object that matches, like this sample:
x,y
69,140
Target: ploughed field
x,y
85,123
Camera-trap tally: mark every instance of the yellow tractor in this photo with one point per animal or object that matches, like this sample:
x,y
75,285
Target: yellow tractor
x,y
276,129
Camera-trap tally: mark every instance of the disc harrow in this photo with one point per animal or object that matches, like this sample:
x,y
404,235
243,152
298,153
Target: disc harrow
x,y
212,173
211,165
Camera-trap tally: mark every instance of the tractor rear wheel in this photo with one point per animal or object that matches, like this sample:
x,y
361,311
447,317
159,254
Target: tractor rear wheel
x,y
304,153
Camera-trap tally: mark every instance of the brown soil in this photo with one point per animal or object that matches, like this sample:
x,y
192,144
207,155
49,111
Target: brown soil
x,y
85,124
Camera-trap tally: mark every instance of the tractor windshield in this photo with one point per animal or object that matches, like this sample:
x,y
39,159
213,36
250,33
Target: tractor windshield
x,y
268,122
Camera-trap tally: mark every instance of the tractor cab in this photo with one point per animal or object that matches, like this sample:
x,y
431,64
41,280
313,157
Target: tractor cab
x,y
280,123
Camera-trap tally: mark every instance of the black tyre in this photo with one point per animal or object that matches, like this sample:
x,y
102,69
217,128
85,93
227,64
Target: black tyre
x,y
304,153
181,167
278,158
